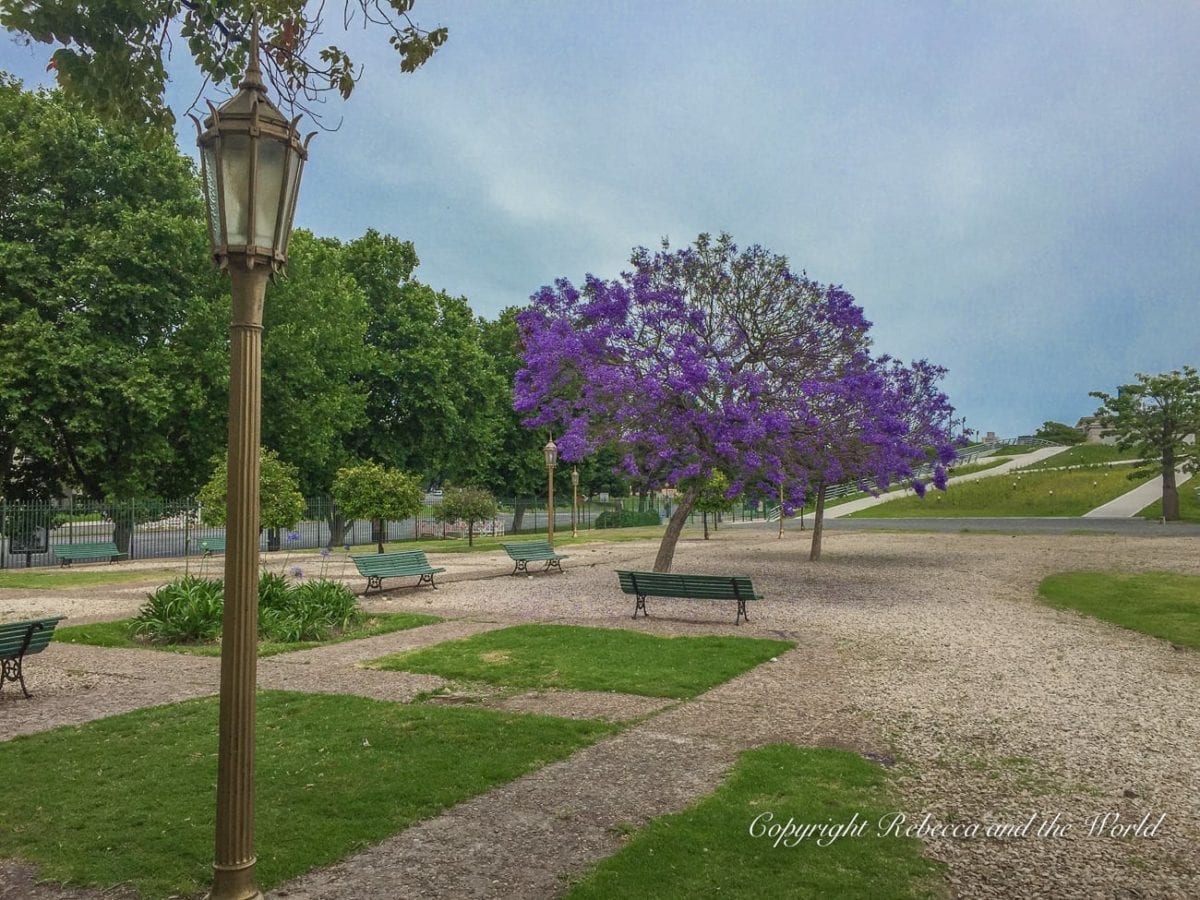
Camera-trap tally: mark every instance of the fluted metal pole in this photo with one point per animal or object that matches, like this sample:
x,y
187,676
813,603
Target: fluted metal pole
x,y
550,507
233,868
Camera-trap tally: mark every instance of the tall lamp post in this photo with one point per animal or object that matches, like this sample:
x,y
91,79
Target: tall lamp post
x,y
251,158
551,453
574,501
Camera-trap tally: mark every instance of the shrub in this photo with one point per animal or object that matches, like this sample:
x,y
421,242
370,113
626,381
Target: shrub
x,y
189,610
185,611
627,518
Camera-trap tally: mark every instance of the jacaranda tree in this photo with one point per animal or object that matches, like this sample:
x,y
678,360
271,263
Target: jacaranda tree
x,y
697,360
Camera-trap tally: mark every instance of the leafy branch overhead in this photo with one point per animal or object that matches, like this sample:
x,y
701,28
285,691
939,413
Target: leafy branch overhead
x,y
113,54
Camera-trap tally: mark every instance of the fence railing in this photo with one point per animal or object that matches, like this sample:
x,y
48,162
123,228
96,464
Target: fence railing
x,y
162,529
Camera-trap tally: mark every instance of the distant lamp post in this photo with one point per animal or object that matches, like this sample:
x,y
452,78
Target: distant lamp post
x,y
551,454
574,501
251,158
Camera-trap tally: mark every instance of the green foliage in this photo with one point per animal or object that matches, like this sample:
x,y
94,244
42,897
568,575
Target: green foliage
x,y
1162,604
1022,493
1060,433
569,657
280,503
1014,450
1083,455
371,491
468,504
627,518
334,774
186,611
433,392
1153,417
695,853
108,366
113,58
712,497
314,361
310,611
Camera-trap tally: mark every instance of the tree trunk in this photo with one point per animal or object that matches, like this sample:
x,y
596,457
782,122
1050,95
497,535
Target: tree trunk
x,y
704,519
818,524
518,514
379,532
470,532
666,550
1170,493
123,532
337,530
273,540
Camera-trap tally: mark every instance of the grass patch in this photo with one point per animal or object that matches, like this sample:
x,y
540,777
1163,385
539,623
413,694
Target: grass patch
x,y
1014,450
117,634
570,657
970,468
1189,503
1027,493
1161,604
131,799
1084,455
707,850
37,581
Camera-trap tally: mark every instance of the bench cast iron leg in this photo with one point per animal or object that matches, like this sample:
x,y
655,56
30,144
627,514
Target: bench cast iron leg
x,y
554,564
374,582
641,604
521,567
741,612
427,578
12,672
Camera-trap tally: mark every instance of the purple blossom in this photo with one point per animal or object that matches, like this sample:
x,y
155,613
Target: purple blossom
x,y
918,487
324,551
296,572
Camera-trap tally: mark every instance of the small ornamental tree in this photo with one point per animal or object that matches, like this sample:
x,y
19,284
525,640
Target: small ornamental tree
x,y
1153,418
697,360
714,498
1060,433
371,491
471,505
280,503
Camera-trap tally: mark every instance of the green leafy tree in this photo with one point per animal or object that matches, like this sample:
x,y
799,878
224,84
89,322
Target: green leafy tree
x,y
314,360
431,387
468,504
1060,433
1154,418
113,52
109,308
371,491
280,503
712,498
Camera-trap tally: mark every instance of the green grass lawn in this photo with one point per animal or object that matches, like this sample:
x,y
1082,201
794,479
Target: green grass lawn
x,y
1189,504
1161,604
981,466
116,634
1084,455
1015,450
129,800
1029,493
570,657
708,851
38,580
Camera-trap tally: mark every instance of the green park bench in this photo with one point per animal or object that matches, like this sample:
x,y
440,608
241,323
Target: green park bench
x,y
399,564
20,639
688,587
533,551
212,545
69,553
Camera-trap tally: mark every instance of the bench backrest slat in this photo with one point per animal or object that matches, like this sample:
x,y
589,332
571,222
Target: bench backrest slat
x,y
13,634
695,587
529,550
399,558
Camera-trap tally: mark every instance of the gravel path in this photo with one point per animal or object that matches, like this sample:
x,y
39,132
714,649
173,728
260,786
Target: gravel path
x,y
928,648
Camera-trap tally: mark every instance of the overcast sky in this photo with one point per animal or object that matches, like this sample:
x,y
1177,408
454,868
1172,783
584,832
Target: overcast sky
x,y
1011,190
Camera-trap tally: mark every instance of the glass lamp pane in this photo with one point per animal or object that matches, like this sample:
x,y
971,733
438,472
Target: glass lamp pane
x,y
235,160
211,200
267,190
289,208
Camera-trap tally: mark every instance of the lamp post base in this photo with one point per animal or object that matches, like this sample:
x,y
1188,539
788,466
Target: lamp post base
x,y
235,882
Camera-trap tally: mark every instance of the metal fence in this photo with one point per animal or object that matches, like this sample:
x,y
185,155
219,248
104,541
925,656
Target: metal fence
x,y
160,529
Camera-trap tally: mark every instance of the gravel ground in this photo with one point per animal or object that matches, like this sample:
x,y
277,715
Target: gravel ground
x,y
927,650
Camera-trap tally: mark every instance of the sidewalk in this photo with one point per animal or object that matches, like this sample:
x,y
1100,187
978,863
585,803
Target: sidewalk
x,y
1015,462
1130,504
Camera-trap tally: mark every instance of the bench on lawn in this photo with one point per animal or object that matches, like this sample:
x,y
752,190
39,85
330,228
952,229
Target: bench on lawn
x,y
688,587
533,551
378,566
68,553
213,545
20,639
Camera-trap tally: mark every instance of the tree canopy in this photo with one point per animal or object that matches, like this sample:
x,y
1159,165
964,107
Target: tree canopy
x,y
372,491
113,54
280,503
